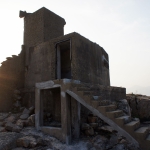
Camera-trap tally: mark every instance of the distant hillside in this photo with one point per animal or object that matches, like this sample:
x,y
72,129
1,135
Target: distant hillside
x,y
139,90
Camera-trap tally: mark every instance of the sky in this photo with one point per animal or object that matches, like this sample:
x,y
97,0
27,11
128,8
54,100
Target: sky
x,y
121,27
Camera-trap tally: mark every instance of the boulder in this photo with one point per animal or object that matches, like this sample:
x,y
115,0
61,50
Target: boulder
x,y
9,126
25,111
16,129
140,106
124,106
27,141
12,119
24,116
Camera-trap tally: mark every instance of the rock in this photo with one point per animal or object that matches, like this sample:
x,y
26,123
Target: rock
x,y
119,147
31,120
92,119
16,129
1,123
2,129
89,132
100,142
12,119
124,106
41,142
31,109
85,126
8,140
27,141
3,116
140,106
107,128
112,141
9,126
94,125
24,116
20,123
123,141
26,111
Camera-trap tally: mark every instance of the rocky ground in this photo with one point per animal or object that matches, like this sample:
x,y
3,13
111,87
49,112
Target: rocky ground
x,y
17,132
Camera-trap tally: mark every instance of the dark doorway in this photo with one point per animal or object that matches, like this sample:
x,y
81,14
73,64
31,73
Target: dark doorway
x,y
51,107
63,60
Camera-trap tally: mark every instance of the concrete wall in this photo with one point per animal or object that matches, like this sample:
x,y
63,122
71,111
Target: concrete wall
x,y
11,78
87,64
41,26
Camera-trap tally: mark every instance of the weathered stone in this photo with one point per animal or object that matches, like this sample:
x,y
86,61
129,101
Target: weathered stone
x,y
8,140
31,109
3,116
9,126
89,131
100,142
92,119
94,125
107,128
25,111
2,129
27,141
124,106
24,116
16,129
85,126
12,119
140,106
119,147
20,123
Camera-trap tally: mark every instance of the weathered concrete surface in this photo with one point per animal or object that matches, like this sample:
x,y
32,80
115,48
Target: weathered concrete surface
x,y
8,140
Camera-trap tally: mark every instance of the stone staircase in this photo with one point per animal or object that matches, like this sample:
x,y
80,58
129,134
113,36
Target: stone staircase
x,y
91,98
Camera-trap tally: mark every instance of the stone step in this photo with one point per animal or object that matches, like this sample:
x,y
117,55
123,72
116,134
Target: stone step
x,y
132,126
114,114
104,109
142,132
122,120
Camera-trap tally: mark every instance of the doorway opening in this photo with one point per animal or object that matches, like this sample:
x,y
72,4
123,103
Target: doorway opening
x,y
51,107
64,60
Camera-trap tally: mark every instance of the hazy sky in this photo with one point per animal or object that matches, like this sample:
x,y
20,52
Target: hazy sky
x,y
121,27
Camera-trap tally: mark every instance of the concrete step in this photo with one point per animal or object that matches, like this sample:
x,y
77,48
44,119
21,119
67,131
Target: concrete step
x,y
142,133
95,104
104,109
122,120
132,126
114,114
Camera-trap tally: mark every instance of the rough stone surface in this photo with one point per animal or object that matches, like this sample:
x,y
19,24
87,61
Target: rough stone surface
x,y
140,106
8,140
24,116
